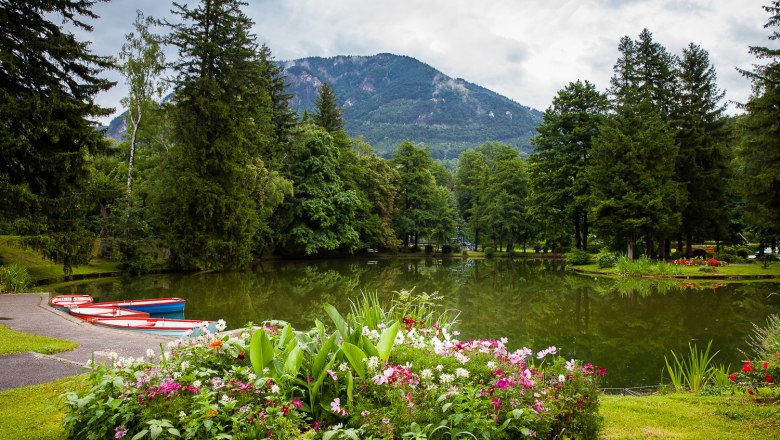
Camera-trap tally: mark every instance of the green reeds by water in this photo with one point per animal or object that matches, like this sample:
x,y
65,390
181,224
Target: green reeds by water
x,y
695,371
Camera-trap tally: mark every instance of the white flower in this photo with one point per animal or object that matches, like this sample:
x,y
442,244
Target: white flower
x,y
221,325
182,415
462,372
439,367
176,375
561,378
373,363
196,384
343,367
275,389
426,374
365,413
184,366
386,421
446,379
570,365
251,377
89,363
491,365
381,326
366,330
149,353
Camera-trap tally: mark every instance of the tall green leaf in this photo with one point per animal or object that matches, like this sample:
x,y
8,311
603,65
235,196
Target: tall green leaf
x,y
356,358
261,351
341,324
386,340
294,360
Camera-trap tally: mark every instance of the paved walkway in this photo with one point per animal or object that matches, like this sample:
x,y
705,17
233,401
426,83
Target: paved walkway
x,y
31,313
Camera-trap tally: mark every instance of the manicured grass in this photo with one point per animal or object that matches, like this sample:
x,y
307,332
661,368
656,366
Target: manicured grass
x,y
734,270
690,416
34,412
12,251
12,341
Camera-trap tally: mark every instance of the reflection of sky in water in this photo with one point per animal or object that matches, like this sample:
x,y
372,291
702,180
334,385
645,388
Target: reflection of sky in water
x,y
625,325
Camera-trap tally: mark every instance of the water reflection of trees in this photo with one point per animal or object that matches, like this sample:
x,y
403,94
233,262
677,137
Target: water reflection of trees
x,y
626,325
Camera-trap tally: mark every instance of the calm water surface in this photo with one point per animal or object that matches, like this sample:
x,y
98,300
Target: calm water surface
x,y
626,326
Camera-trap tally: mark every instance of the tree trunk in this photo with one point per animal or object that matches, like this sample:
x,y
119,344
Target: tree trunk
x,y
585,230
630,247
105,249
662,248
135,122
679,243
577,231
689,244
649,244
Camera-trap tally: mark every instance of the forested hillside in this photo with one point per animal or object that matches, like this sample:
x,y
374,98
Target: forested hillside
x,y
390,98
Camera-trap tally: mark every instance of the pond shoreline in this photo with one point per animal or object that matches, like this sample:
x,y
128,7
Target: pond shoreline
x,y
731,277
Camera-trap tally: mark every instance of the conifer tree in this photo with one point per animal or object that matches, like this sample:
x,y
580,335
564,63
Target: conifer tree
x,y
48,82
702,160
213,189
328,114
759,150
559,185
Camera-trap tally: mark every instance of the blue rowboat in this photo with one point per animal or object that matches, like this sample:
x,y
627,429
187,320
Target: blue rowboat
x,y
159,326
65,302
153,306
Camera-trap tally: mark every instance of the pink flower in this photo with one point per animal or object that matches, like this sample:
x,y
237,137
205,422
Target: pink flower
x,y
120,431
335,406
296,402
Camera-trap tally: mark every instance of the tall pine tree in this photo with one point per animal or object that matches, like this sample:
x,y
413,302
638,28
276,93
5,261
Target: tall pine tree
x,y
48,82
702,160
759,150
214,188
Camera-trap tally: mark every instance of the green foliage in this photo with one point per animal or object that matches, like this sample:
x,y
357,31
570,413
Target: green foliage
x,y
328,113
14,278
633,268
693,372
489,251
759,150
765,340
558,177
605,259
577,257
49,82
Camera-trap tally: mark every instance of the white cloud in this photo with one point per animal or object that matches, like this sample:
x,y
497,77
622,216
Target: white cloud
x,y
526,50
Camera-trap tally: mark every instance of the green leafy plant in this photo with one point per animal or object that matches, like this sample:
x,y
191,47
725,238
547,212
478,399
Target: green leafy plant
x,y
14,278
577,257
694,371
605,259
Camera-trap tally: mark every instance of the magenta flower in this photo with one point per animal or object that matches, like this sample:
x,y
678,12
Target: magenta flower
x,y
120,431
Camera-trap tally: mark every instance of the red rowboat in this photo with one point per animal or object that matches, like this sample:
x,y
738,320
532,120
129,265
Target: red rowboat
x,y
65,302
89,312
159,326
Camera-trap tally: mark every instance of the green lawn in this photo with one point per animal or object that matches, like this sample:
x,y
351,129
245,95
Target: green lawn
x,y
12,251
690,416
12,341
35,412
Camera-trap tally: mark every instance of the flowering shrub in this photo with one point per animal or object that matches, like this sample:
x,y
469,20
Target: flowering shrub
x,y
708,262
753,375
404,376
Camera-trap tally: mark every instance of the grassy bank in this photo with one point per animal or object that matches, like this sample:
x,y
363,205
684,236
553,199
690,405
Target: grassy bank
x,y
34,411
13,251
691,416
12,341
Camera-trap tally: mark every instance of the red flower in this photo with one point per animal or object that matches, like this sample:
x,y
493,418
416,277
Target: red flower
x,y
749,391
766,365
747,367
733,377
768,378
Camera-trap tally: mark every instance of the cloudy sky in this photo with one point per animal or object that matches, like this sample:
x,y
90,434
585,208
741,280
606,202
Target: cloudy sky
x,y
526,50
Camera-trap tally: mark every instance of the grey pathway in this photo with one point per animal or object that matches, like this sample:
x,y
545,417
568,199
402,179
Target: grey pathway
x,y
31,313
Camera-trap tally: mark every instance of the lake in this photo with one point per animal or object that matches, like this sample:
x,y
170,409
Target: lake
x,y
625,325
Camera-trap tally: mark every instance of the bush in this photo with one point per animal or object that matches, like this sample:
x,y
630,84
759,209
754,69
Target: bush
x,y
446,249
465,253
14,278
606,259
400,374
577,257
489,252
428,249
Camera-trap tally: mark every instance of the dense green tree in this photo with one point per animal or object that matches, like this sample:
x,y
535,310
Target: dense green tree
x,y
759,150
633,155
282,116
416,213
557,169
702,160
469,179
323,209
48,81
328,113
212,187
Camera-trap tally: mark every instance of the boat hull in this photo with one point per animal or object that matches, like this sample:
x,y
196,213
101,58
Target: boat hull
x,y
159,326
65,302
92,311
156,306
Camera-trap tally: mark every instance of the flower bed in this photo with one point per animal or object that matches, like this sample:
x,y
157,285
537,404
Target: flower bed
x,y
693,262
400,373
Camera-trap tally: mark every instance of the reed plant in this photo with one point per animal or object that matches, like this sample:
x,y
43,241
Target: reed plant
x,y
695,371
14,278
640,266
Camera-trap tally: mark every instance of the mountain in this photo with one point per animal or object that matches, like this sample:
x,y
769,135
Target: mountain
x,y
389,98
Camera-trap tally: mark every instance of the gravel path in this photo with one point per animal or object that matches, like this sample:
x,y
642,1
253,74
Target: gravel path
x,y
31,313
